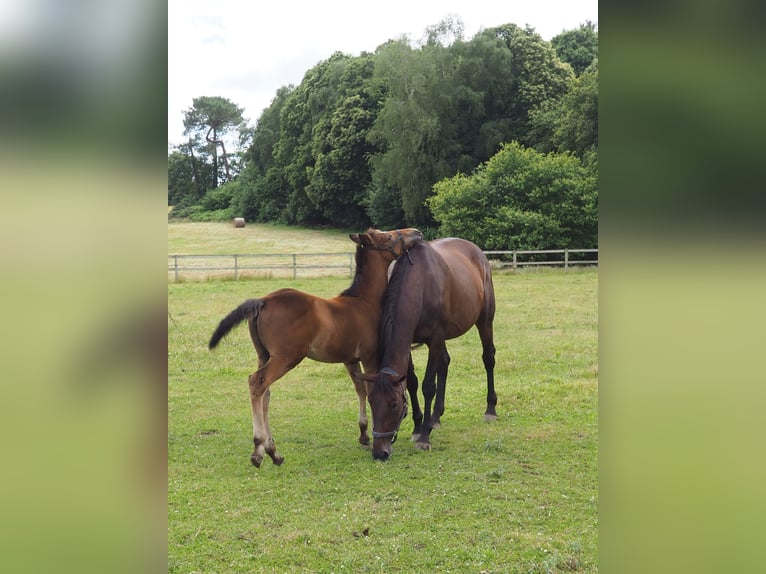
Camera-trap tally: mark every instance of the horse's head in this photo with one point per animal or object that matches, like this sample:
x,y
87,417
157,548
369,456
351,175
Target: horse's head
x,y
396,242
386,393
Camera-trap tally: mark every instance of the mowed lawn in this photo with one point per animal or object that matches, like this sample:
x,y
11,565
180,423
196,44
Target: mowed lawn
x,y
519,494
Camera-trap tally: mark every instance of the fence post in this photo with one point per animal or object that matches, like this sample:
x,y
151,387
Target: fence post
x,y
175,266
350,264
514,259
236,268
295,268
566,259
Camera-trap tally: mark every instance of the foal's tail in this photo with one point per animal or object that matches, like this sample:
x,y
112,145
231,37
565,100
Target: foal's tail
x,y
246,310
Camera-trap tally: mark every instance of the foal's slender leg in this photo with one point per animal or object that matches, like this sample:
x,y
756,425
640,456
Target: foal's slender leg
x,y
259,383
270,446
441,387
361,391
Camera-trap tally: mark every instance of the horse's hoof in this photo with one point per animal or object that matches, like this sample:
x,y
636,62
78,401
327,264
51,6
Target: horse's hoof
x,y
277,459
490,417
435,424
256,460
423,445
364,440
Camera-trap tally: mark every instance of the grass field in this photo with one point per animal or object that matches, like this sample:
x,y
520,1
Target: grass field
x,y
222,238
515,495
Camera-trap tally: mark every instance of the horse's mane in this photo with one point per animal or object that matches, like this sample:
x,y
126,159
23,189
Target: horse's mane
x,y
353,289
390,305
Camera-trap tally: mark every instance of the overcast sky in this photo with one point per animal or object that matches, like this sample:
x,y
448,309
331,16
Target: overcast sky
x,y
246,50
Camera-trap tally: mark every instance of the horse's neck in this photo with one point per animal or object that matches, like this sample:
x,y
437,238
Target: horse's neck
x,y
399,324
374,278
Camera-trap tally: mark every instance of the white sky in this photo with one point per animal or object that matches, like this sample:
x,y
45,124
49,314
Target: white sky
x,y
246,50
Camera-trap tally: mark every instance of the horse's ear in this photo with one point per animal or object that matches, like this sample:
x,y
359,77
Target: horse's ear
x,y
361,238
369,377
393,376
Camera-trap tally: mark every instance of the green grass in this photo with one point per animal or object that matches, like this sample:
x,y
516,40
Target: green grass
x,y
515,495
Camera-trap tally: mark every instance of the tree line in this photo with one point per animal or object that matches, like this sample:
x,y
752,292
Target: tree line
x,y
494,139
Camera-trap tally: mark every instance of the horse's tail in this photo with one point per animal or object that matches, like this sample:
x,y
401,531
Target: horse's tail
x,y
246,310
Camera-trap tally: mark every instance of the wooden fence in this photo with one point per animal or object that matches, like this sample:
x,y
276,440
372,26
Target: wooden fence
x,y
200,267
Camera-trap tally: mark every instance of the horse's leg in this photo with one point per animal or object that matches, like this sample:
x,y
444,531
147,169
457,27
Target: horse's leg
x,y
429,390
441,387
412,389
488,357
270,446
259,383
361,392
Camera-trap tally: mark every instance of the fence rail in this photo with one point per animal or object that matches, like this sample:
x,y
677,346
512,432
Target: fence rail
x,y
325,264
523,258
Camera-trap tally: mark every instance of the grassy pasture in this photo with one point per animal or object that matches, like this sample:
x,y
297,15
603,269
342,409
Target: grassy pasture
x,y
268,250
515,495
222,238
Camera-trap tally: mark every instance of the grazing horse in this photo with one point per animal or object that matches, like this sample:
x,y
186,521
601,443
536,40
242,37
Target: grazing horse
x,y
287,326
446,290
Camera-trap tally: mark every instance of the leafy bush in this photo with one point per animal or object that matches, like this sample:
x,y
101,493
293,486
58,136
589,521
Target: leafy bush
x,y
219,198
521,199
260,198
199,213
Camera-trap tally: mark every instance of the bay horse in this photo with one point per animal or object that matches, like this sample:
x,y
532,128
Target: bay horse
x,y
446,290
288,325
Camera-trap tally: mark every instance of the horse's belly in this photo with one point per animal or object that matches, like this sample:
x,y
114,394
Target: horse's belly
x,y
324,355
335,349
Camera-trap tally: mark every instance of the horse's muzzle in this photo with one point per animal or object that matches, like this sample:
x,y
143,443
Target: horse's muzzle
x,y
383,455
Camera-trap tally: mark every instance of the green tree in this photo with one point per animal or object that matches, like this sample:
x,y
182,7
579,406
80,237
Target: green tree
x,y
412,130
571,122
365,138
578,47
450,107
322,148
577,130
535,75
294,152
187,173
340,177
181,184
264,136
213,116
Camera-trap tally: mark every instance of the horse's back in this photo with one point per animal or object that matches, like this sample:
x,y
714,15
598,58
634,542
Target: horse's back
x,y
287,314
469,293
460,254
289,301
465,261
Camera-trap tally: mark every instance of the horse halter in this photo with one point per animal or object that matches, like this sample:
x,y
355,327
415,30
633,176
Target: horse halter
x,y
394,432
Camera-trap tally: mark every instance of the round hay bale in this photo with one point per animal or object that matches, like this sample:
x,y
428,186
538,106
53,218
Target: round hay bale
x,y
239,222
